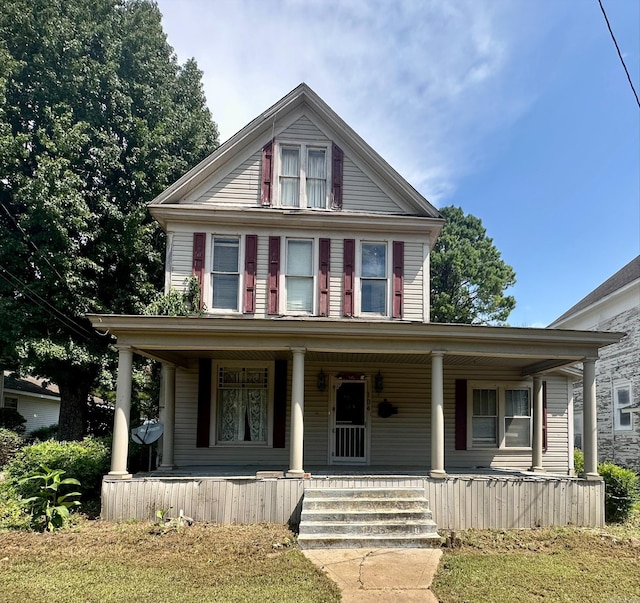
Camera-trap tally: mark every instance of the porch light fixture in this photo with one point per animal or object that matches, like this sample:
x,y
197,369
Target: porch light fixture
x,y
378,383
322,381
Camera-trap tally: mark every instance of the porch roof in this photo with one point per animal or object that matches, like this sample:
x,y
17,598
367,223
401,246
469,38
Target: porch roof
x,y
179,340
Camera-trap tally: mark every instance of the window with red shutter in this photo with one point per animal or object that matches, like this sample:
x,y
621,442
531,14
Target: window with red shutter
x,y
324,274
199,245
273,306
349,262
337,169
398,279
266,191
250,262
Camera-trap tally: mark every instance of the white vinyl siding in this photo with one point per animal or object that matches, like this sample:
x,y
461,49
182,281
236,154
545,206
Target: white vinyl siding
x,y
361,194
240,187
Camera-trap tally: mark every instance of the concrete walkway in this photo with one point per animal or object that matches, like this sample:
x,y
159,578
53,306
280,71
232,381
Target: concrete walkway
x,y
380,575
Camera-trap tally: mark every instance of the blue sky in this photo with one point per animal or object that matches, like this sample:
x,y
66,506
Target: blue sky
x,y
518,111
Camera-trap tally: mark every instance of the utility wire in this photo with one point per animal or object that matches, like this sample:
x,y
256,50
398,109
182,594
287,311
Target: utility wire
x,y
45,305
619,53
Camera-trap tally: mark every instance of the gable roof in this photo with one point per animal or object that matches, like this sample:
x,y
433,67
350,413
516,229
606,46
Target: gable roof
x,y
29,385
260,130
624,276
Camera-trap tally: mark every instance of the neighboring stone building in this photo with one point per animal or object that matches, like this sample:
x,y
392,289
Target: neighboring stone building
x,y
613,306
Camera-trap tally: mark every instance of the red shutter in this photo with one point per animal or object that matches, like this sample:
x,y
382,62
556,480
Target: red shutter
x,y
544,415
337,159
267,174
349,261
461,414
398,279
199,244
274,275
324,273
203,424
250,261
280,404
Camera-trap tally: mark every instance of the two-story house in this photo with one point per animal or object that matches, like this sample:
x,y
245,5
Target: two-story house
x,y
314,357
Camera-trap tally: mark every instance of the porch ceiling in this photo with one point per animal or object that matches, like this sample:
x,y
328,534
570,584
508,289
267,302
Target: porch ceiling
x,y
180,340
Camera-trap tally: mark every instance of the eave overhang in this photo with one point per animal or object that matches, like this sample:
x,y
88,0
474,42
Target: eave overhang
x,y
171,338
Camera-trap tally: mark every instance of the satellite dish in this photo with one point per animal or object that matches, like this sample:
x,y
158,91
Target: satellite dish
x,y
147,433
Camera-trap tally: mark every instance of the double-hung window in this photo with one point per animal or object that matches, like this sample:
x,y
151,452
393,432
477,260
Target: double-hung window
x,y
303,176
243,403
225,273
299,279
622,404
500,416
10,402
373,279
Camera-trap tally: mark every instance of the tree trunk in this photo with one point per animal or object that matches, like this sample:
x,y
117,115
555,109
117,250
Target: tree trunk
x,y
74,394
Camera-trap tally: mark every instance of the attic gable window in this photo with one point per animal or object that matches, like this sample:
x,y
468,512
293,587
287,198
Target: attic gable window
x,y
303,176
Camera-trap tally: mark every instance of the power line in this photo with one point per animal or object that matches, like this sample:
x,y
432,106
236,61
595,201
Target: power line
x,y
619,53
68,323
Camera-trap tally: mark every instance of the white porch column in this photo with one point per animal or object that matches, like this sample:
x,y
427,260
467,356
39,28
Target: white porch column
x,y
590,419
296,440
437,416
538,411
169,396
122,414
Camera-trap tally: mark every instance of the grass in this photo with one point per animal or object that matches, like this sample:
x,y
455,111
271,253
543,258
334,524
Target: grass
x,y
99,562
550,565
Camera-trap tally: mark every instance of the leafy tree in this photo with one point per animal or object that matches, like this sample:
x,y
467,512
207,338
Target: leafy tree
x,y
96,118
468,276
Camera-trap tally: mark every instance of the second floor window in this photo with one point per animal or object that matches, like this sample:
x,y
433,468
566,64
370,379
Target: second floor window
x,y
225,275
299,276
373,279
303,176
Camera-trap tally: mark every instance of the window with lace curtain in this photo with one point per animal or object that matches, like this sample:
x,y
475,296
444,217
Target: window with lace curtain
x,y
244,403
303,176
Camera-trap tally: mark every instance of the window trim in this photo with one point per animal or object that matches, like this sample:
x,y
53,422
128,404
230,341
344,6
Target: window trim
x,y
500,387
247,364
207,293
304,148
315,293
617,426
359,278
6,398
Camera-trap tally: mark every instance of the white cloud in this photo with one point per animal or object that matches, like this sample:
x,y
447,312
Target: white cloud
x,y
421,81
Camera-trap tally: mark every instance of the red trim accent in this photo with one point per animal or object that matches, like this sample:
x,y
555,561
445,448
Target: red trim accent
x,y
461,414
349,262
266,190
324,276
199,245
250,261
274,275
398,279
337,160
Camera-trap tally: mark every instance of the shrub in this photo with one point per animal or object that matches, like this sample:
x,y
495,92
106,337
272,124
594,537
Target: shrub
x,y
86,461
10,418
45,433
10,444
578,461
622,491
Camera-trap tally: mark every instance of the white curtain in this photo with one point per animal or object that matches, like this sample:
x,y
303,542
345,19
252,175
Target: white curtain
x,y
240,408
316,178
290,177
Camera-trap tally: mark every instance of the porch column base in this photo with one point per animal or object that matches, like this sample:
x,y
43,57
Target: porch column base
x,y
119,475
537,469
294,474
593,477
438,474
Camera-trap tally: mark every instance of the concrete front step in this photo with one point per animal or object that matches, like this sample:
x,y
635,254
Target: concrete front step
x,y
366,517
320,541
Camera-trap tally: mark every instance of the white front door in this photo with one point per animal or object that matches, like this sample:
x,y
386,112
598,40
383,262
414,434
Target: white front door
x,y
350,417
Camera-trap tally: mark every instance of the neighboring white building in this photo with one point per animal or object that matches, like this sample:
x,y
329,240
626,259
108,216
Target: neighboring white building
x,y
613,306
38,403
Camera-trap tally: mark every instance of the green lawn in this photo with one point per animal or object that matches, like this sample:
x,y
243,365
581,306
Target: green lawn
x,y
143,563
551,565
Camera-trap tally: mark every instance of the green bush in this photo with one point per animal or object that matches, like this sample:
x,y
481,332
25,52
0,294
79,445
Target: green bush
x,y
10,418
622,491
86,461
10,444
578,461
45,433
